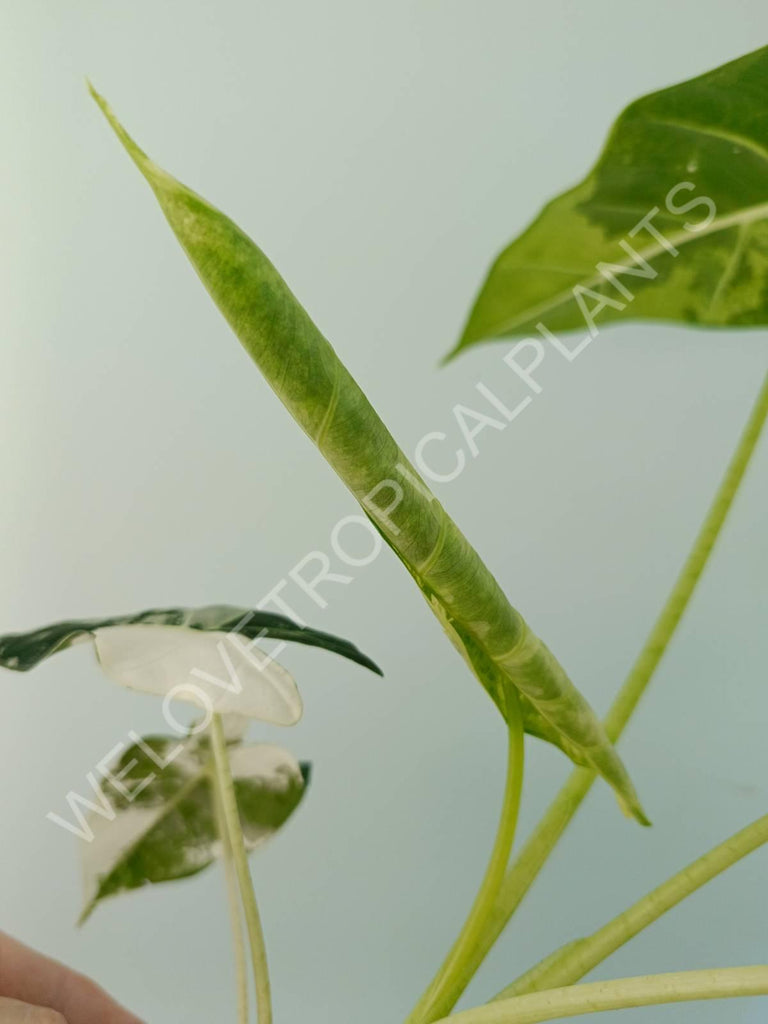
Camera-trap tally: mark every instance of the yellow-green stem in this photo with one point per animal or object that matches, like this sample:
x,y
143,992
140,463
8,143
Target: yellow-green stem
x,y
543,840
250,907
233,901
572,962
442,992
650,990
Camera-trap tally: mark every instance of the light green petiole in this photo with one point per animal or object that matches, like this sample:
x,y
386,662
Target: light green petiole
x,y
533,855
233,901
572,962
226,789
441,994
650,990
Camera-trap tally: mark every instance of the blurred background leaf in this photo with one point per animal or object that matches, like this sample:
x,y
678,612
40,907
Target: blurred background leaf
x,y
159,822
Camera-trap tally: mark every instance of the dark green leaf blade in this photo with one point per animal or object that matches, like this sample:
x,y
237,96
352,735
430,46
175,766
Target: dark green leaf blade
x,y
163,825
24,651
704,141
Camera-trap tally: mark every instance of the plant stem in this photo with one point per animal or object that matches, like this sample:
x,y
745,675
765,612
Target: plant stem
x,y
233,901
544,838
442,993
650,990
251,909
578,958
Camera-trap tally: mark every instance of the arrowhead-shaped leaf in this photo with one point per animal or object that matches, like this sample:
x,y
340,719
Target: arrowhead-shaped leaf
x,y
205,656
162,824
302,367
670,224
23,651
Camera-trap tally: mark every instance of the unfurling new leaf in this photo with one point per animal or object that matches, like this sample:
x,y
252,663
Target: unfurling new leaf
x,y
303,369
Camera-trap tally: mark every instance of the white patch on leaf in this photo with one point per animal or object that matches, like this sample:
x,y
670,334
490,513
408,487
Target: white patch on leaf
x,y
112,841
211,670
270,764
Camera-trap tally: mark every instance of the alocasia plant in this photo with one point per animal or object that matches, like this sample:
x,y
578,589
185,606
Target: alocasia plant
x,y
701,145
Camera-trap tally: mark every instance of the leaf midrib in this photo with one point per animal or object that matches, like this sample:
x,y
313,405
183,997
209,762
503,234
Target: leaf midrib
x,y
720,134
748,215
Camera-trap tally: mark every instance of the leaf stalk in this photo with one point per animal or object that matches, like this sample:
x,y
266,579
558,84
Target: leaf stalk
x,y
442,993
572,962
226,789
649,990
537,849
233,901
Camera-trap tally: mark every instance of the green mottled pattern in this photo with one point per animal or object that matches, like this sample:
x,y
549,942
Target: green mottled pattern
x,y
23,651
303,369
167,829
711,132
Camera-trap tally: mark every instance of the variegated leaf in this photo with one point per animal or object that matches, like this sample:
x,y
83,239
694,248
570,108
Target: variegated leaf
x,y
205,656
302,367
23,651
670,224
158,822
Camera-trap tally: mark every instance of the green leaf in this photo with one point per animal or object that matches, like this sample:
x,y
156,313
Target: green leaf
x,y
23,651
161,824
317,389
204,656
693,158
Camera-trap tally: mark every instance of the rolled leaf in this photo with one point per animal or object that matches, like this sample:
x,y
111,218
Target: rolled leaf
x,y
670,224
162,824
305,372
24,651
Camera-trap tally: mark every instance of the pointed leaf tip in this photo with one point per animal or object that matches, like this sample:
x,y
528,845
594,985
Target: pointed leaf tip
x,y
635,811
147,166
592,257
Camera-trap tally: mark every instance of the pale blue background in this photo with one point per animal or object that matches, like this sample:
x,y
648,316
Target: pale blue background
x,y
381,153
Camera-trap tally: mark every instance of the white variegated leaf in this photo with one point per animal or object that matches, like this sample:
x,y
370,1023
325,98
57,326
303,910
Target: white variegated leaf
x,y
24,651
211,670
206,656
161,823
